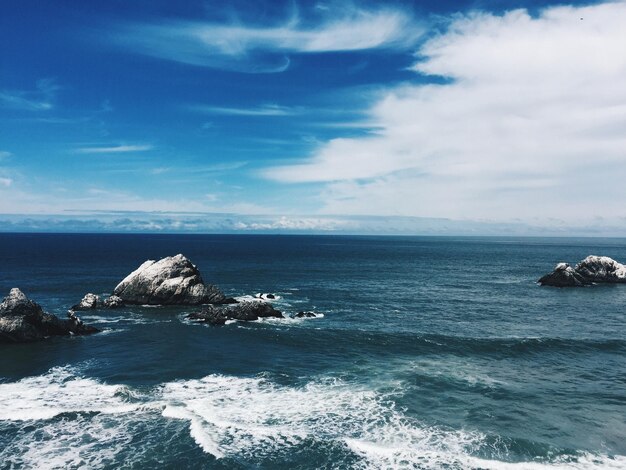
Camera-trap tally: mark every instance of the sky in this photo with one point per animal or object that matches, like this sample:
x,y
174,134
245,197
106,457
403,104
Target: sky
x,y
436,117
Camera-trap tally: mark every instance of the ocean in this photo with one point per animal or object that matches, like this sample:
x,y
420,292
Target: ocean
x,y
432,353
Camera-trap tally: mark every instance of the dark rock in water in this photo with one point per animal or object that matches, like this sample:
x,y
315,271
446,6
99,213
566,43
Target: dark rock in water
x,y
170,281
245,311
265,296
564,276
211,314
113,301
593,269
230,300
89,302
305,315
22,320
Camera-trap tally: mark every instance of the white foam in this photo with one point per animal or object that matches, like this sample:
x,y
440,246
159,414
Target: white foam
x,y
59,391
246,418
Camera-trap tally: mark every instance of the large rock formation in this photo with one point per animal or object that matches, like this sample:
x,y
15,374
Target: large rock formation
x,y
170,281
22,320
245,311
593,269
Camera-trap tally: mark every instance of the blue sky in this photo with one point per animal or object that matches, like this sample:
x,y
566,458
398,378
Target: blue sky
x,y
307,116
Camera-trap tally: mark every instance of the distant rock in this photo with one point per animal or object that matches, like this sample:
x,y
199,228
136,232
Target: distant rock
x,y
564,276
602,269
244,311
305,315
89,302
593,269
22,320
170,281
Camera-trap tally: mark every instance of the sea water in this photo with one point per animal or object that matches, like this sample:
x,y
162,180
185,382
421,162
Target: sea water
x,y
432,353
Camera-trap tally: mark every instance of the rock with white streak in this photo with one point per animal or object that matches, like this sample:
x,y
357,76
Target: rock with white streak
x,y
170,281
593,269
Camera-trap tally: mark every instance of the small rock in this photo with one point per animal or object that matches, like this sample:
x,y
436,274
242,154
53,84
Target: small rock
x,y
113,302
305,315
89,302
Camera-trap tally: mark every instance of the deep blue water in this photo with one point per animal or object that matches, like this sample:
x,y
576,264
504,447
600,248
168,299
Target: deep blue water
x,y
432,353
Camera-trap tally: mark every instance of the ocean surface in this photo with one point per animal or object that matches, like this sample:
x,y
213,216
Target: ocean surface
x,y
432,353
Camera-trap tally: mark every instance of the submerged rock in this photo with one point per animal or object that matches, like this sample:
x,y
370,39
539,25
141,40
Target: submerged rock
x,y
22,320
170,281
245,311
593,269
305,315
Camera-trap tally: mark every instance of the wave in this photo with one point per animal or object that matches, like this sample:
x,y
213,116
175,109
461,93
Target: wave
x,y
73,421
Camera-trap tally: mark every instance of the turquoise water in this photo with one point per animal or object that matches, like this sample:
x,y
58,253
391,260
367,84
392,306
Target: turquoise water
x,y
432,353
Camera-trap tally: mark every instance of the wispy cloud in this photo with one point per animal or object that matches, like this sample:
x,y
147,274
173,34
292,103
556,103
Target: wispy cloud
x,y
265,48
40,99
6,182
4,154
115,149
263,110
527,120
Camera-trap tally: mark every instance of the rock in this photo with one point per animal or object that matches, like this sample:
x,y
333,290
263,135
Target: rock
x,y
113,301
593,269
22,320
305,315
170,281
89,302
563,276
265,296
211,314
601,269
244,311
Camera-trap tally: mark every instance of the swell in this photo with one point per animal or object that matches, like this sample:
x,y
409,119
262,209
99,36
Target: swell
x,y
390,343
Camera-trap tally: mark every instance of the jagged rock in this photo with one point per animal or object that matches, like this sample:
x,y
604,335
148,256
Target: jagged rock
x,y
593,269
89,302
563,276
170,281
22,320
113,302
210,314
305,315
245,311
601,269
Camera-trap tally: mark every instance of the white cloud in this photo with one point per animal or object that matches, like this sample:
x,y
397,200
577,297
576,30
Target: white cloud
x,y
40,99
6,182
531,124
253,48
263,110
115,149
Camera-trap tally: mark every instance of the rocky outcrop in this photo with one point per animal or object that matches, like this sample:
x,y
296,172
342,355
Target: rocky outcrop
x,y
593,269
243,311
563,276
89,302
113,302
170,281
93,301
22,320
